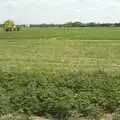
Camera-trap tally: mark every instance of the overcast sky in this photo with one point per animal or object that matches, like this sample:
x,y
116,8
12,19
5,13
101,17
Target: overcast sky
x,y
60,11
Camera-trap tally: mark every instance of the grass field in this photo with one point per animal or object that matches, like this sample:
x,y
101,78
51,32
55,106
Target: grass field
x,y
61,49
95,33
60,72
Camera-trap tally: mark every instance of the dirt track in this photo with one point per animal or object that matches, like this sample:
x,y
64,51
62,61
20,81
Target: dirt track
x,y
105,117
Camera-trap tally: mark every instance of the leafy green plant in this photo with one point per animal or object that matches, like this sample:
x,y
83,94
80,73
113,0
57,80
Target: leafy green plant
x,y
59,95
15,117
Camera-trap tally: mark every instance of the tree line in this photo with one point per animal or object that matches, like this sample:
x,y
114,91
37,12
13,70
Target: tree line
x,y
77,24
73,24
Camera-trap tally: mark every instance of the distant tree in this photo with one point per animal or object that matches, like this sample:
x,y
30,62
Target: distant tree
x,y
68,24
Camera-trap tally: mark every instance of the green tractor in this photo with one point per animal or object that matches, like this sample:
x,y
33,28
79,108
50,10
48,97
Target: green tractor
x,y
10,26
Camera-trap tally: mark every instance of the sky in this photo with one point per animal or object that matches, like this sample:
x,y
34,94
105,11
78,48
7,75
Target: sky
x,y
59,11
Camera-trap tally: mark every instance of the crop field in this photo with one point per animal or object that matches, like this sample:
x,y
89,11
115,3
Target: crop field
x,y
61,49
63,73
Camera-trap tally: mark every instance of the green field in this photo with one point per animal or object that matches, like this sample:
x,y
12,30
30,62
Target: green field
x,y
61,49
60,72
88,33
